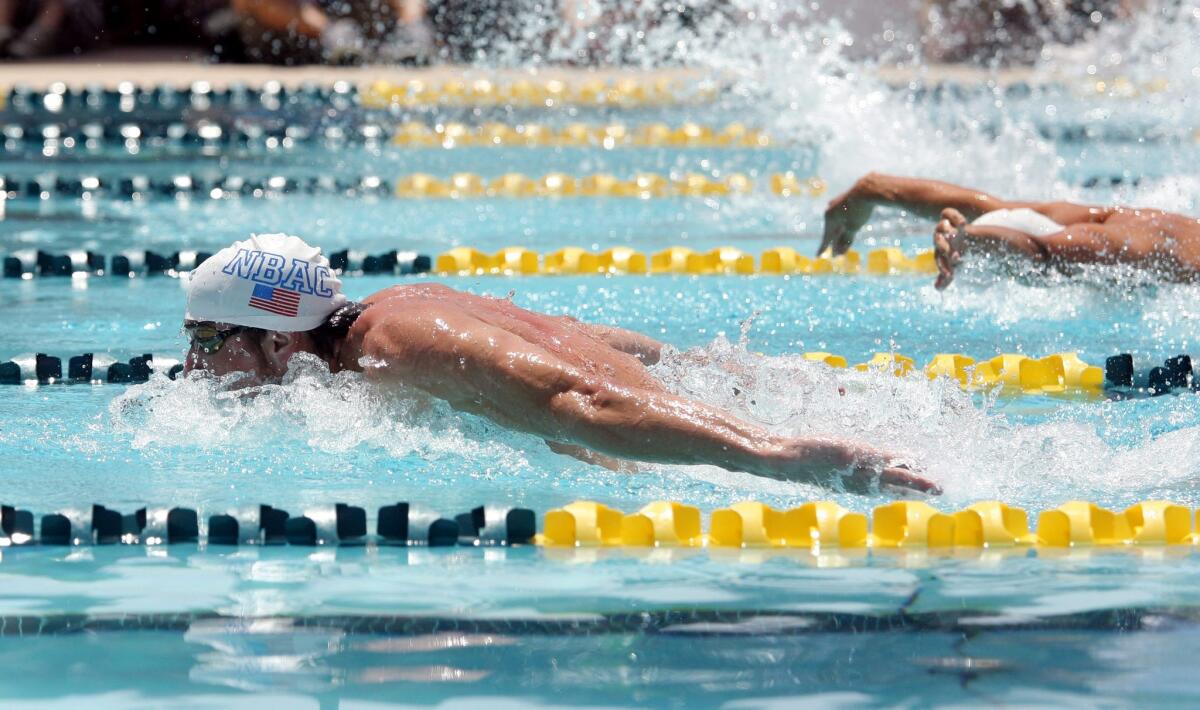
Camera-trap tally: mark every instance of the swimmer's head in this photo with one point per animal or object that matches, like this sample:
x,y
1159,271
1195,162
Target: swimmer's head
x,y
253,305
269,281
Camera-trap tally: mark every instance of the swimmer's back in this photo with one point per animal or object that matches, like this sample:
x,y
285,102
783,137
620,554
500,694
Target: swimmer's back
x,y
565,337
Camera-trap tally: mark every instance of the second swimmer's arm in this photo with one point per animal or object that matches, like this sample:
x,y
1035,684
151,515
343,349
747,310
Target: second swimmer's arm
x,y
848,212
489,371
923,197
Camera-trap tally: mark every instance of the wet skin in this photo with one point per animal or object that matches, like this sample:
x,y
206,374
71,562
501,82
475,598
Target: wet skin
x,y
1165,243
584,389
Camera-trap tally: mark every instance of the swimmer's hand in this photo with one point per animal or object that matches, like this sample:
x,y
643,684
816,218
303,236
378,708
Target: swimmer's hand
x,y
948,245
844,216
852,467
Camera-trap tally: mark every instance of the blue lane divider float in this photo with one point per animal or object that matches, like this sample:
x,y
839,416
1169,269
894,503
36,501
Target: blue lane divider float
x,y
397,524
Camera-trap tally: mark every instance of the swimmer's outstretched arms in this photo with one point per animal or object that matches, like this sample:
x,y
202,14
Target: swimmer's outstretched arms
x,y
584,389
1056,234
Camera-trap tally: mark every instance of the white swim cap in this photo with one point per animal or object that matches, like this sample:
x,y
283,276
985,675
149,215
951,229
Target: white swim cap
x,y
270,281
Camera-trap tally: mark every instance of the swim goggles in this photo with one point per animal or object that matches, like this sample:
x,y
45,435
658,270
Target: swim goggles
x,y
208,337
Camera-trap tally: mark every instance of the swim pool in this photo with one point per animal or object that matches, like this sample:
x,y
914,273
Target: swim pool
x,y
504,623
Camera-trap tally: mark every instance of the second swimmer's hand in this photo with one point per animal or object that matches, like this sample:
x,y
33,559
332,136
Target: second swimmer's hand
x,y
844,216
947,245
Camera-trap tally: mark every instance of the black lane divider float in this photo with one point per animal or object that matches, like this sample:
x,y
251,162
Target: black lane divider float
x,y
275,98
1121,379
88,368
1176,373
31,263
128,97
93,135
688,623
186,185
396,524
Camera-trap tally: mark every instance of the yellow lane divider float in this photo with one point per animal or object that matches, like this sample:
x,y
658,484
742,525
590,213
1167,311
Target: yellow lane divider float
x,y
687,135
643,186
1124,87
901,524
728,260
624,93
1014,372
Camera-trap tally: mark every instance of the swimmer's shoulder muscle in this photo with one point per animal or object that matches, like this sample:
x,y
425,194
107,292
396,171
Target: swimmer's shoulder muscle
x,y
399,314
407,329
410,291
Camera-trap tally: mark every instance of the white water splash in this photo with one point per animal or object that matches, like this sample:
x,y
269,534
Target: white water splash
x,y
331,413
973,449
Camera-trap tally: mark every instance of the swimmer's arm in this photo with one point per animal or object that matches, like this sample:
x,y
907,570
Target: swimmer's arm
x,y
953,237
923,197
927,198
1077,244
847,213
1002,241
489,371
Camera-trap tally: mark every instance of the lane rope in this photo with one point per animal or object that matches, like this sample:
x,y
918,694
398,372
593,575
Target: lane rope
x,y
274,96
509,261
740,623
622,92
818,526
465,185
1009,374
209,135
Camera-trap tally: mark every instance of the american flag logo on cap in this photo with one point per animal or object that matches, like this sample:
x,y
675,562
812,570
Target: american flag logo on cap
x,y
279,301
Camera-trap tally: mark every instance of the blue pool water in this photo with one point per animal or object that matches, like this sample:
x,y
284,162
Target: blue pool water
x,y
199,626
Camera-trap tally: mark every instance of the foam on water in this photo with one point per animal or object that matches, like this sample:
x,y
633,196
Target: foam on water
x,y
1156,45
974,449
333,413
1177,193
795,78
801,83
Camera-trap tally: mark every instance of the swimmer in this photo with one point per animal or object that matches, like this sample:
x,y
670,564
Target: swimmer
x,y
1056,234
585,389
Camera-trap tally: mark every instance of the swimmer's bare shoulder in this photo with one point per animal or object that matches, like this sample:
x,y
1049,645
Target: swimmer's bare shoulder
x,y
397,325
437,291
